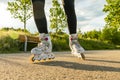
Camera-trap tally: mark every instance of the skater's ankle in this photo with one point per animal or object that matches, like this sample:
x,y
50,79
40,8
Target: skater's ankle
x,y
44,36
45,40
73,36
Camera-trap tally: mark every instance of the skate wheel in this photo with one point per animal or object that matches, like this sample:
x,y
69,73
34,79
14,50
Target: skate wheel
x,y
53,58
49,58
82,56
32,58
39,60
44,59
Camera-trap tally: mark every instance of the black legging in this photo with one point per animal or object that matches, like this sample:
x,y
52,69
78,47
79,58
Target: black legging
x,y
40,18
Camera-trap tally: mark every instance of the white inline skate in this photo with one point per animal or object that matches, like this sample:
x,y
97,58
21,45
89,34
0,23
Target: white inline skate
x,y
76,49
44,49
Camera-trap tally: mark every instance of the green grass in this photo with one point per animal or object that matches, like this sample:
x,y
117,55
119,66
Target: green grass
x,y
96,45
62,44
9,43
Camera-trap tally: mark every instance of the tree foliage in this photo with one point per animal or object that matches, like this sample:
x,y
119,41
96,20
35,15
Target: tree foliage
x,y
113,9
57,17
92,34
111,31
21,9
111,34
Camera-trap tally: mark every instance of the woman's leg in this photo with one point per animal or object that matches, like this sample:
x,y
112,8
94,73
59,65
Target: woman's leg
x,y
39,15
71,16
76,48
44,49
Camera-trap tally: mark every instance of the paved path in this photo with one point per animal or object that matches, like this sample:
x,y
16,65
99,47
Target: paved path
x,y
99,65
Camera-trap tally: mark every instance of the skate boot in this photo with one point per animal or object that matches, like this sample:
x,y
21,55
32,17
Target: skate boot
x,y
44,49
76,49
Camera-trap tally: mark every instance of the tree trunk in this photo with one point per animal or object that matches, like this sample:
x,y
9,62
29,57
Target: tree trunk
x,y
25,46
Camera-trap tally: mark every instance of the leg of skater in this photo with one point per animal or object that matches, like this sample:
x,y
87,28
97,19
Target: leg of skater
x,y
76,48
44,48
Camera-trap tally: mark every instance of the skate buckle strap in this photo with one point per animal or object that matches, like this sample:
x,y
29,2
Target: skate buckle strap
x,y
75,38
46,39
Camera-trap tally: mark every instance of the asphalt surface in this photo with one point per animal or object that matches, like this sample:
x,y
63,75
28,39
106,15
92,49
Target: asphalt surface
x,y
99,65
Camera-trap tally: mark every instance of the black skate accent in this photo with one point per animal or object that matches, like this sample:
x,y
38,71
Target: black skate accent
x,y
31,58
82,56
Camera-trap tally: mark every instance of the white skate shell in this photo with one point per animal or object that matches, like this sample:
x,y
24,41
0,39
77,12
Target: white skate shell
x,y
78,52
39,54
44,49
41,57
76,49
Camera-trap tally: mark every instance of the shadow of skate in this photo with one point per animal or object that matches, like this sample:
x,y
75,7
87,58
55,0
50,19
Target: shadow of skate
x,y
78,66
107,61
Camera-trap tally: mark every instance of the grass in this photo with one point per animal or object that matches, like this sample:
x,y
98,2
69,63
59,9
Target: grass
x,y
96,45
10,43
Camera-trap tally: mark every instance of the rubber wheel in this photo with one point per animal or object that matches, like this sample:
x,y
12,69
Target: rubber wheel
x,y
83,56
31,58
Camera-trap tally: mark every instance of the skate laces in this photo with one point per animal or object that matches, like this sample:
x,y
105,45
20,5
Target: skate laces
x,y
44,44
75,43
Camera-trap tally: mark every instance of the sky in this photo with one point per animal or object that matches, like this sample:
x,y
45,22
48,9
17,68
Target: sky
x,y
89,15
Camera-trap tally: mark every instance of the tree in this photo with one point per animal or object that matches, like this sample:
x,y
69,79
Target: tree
x,y
111,34
111,31
113,9
21,9
57,17
92,34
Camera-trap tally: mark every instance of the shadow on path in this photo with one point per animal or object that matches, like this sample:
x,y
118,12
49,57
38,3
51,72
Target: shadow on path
x,y
78,66
108,61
